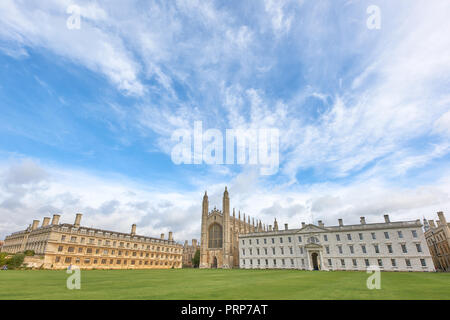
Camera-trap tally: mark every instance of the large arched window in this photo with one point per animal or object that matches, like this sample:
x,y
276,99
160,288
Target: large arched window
x,y
215,236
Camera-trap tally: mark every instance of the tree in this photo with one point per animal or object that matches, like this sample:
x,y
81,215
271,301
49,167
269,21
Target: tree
x,y
15,261
196,259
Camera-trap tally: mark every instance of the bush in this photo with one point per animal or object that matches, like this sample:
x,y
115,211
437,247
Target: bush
x,y
29,252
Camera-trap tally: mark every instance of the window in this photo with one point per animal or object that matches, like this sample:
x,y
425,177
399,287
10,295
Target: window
x,y
265,241
257,241
243,241
243,261
299,238
259,262
343,262
393,262
249,241
373,236
68,260
289,239
404,248
386,235
366,261
349,236
292,262
380,262
291,251
340,249
273,250
251,251
267,262
265,251
400,234
329,262
282,250
351,249
60,248
215,236
89,250
414,233
257,251
422,261
274,262
73,239
419,248
338,238
327,248
325,237
63,238
273,240
103,261
355,264
243,252
360,236
408,262
301,250
377,249
282,262
363,247
389,248
71,249
281,240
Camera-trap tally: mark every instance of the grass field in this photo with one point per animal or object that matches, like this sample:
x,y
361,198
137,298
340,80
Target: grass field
x,y
187,284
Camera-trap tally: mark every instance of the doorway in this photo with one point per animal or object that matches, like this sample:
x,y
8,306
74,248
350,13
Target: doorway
x,y
315,260
214,264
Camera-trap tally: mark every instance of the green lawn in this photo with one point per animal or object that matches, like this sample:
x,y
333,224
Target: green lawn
x,y
189,284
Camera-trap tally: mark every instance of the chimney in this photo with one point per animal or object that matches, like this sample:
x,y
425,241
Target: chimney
x,y
341,223
35,224
386,218
162,236
442,218
170,236
363,220
321,224
303,224
133,229
78,219
55,220
431,223
286,226
46,222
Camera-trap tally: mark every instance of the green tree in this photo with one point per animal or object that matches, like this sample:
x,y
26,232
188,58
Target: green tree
x,y
15,261
196,259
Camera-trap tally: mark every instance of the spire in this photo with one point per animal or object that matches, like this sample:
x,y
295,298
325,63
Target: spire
x,y
426,225
275,225
234,213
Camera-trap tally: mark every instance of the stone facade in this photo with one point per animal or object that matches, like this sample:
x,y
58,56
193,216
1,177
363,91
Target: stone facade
x,y
219,239
438,240
61,245
189,252
392,246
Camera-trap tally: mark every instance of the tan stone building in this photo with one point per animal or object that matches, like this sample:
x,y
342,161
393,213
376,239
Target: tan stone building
x,y
219,240
189,252
62,245
438,240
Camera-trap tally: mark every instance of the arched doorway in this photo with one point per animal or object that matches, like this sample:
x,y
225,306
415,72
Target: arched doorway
x,y
214,264
315,260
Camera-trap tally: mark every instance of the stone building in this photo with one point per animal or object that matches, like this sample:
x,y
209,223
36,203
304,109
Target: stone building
x,y
189,252
438,240
220,231
392,246
61,245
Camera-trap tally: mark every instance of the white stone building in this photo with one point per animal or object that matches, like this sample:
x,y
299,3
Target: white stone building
x,y
392,246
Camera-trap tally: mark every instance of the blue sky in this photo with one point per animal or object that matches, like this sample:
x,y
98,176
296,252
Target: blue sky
x,y
87,114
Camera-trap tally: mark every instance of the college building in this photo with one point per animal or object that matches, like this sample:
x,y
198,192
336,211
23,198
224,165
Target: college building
x,y
391,246
219,245
438,240
189,252
58,246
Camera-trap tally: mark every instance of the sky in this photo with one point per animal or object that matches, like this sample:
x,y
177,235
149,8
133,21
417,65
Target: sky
x,y
88,111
